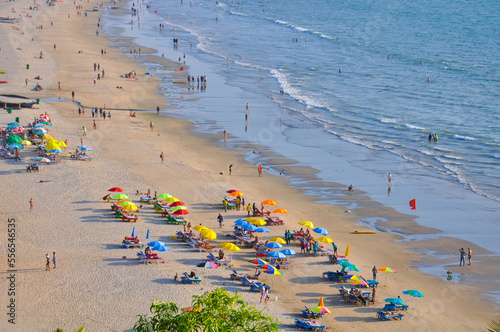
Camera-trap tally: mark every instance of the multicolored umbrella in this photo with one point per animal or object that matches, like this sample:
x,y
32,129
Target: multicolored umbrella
x,y
307,224
274,271
414,293
360,282
120,196
396,301
258,261
320,308
386,270
176,208
210,265
17,130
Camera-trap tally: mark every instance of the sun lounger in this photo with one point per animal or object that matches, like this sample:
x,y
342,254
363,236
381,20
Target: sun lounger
x,y
394,307
273,221
237,276
258,287
131,243
335,259
149,200
334,276
153,258
386,315
129,218
247,282
212,258
308,325
308,314
186,279
258,212
32,168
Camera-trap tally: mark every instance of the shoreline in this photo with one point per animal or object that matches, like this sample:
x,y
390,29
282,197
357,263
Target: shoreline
x,y
203,175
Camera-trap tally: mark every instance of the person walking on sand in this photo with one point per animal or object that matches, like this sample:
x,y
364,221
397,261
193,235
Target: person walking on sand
x,y
47,264
152,125
95,125
162,157
73,95
262,293
54,259
230,168
224,203
470,256
373,293
220,219
249,208
32,205
84,131
374,272
158,110
462,257
260,170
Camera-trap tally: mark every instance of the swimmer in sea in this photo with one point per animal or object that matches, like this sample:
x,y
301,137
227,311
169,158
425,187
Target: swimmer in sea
x,y
350,188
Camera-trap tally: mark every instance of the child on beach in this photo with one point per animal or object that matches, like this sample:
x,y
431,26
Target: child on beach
x,y
47,265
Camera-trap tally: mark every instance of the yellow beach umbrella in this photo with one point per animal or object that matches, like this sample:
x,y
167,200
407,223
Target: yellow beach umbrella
x,y
277,239
199,228
347,250
172,200
62,144
325,239
25,142
307,224
231,247
130,207
224,243
259,222
208,234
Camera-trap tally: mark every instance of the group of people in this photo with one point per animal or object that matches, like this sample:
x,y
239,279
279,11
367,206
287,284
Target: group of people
x,y
54,261
462,256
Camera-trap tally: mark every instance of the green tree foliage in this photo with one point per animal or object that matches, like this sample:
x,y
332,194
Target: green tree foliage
x,y
494,326
213,311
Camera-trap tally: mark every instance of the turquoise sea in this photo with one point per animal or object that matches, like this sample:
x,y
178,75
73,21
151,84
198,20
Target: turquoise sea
x,y
364,84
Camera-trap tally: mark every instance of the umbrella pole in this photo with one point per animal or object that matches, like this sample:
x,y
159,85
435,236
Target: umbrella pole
x,y
385,278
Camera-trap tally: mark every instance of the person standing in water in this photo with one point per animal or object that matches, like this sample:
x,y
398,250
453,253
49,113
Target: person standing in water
x,y
389,179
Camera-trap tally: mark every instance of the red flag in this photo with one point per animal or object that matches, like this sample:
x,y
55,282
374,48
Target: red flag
x,y
413,204
181,69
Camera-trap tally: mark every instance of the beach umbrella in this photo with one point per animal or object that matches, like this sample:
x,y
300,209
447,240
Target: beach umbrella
x,y
266,267
320,230
325,239
262,230
352,277
349,265
56,151
307,224
360,282
273,245
43,160
164,196
415,293
276,254
38,126
46,123
130,207
259,222
158,246
209,265
269,202
178,203
224,243
124,202
180,212
274,271
86,149
199,228
236,194
240,222
231,247
277,239
116,189
133,232
249,227
288,252
25,142
81,146
386,269
171,199
395,300
280,211
347,250
120,196
15,146
176,208
321,309
231,191
13,124
147,235
253,220
17,130
258,261
207,233
13,139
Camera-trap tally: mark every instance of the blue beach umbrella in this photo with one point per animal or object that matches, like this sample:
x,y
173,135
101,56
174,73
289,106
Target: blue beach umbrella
x,y
133,232
55,151
288,252
396,301
147,235
158,246
16,146
276,254
85,148
273,245
320,230
262,230
240,222
13,124
38,126
249,227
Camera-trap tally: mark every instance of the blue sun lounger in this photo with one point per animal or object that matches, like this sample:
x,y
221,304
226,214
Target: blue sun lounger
x,y
308,325
188,280
386,315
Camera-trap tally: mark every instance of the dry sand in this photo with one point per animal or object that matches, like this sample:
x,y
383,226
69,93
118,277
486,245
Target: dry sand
x,y
92,285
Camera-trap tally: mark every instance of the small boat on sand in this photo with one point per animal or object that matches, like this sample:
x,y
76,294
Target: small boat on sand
x,y
10,19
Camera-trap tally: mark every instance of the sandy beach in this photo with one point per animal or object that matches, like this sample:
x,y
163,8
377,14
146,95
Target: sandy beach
x,y
94,285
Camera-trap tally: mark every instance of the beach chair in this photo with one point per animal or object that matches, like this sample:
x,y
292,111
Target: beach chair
x,y
129,218
372,283
247,282
236,276
132,242
386,315
186,279
308,325
394,307
274,221
261,213
308,314
153,258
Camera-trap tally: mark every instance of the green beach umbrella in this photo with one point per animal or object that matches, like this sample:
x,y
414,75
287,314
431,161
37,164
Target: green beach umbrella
x,y
175,208
120,196
13,139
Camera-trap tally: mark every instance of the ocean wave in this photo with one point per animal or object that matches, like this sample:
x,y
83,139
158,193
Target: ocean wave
x,y
409,126
426,152
388,120
293,26
464,138
391,142
453,157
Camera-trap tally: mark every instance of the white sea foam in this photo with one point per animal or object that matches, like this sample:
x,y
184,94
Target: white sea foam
x,y
464,138
388,120
409,126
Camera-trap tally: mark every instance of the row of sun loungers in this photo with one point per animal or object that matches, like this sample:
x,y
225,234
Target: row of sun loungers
x,y
362,298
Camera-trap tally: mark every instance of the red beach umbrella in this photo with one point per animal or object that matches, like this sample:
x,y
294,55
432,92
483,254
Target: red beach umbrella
x,y
181,212
179,203
231,191
116,189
